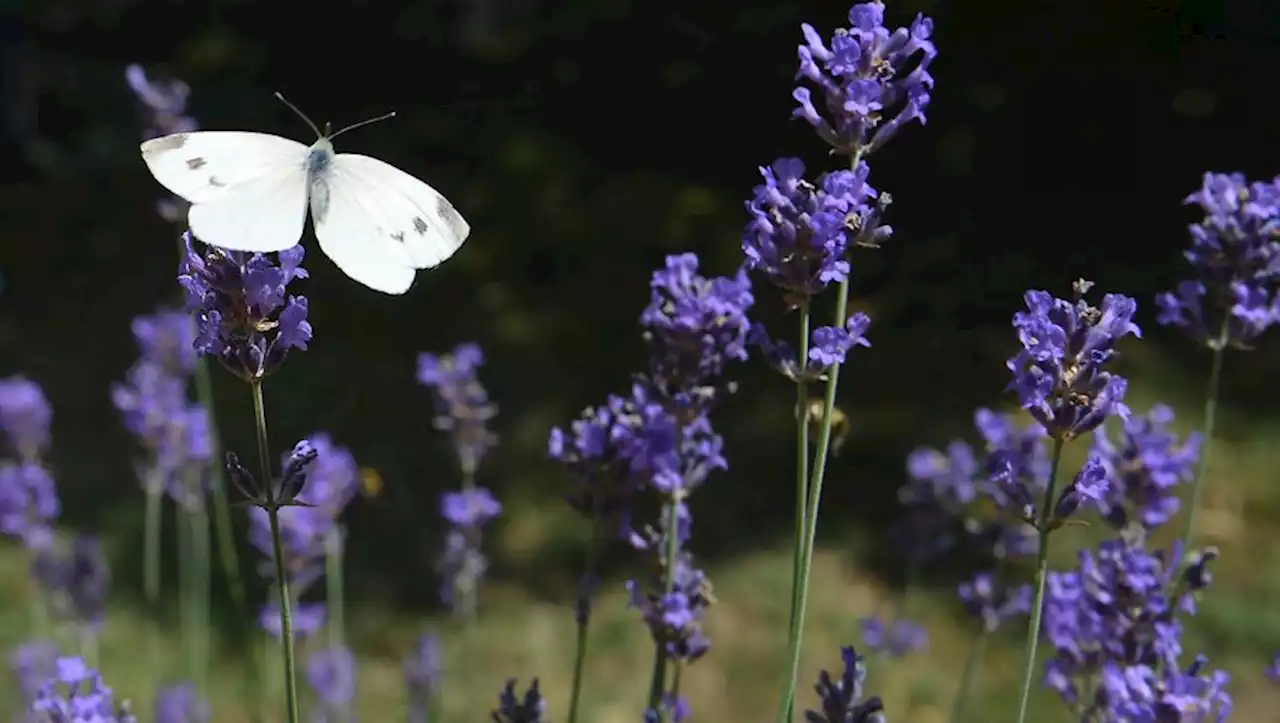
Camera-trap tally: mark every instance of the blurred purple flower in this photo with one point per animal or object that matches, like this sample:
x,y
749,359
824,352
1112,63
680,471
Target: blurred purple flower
x,y
869,79
694,327
321,479
512,709
674,615
994,604
462,563
1139,694
308,618
34,664
28,503
1145,468
181,704
842,698
1235,256
86,700
1061,373
155,407
463,408
1273,670
244,316
331,672
423,674
900,638
25,419
800,234
946,491
77,580
164,105
1118,611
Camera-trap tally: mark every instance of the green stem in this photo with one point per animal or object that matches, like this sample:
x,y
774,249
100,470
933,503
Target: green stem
x,y
334,587
200,592
469,592
802,463
969,678
1042,573
584,625
186,612
1210,421
277,549
672,513
152,528
786,711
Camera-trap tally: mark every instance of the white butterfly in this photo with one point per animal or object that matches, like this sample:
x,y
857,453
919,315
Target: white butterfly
x,y
250,192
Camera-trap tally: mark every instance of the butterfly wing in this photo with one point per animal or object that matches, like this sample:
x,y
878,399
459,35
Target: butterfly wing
x,y
248,191
379,224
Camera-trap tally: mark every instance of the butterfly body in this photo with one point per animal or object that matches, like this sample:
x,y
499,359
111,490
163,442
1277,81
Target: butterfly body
x,y
251,192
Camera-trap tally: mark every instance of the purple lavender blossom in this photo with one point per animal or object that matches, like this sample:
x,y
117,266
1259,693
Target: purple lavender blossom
x,y
1273,670
423,673
1060,375
462,563
801,233
154,405
842,698
1117,614
694,327
896,639
593,449
1139,694
674,618
1235,256
25,419
463,408
164,105
869,89
947,491
77,580
308,618
181,704
320,478
244,316
512,709
33,664
1144,469
87,698
29,503
331,672
994,604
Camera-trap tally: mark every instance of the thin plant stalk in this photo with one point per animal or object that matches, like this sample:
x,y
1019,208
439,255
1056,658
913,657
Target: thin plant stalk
x,y
584,625
671,510
277,549
186,600
1211,395
802,461
969,676
786,711
334,586
200,591
469,592
152,528
87,639
1042,573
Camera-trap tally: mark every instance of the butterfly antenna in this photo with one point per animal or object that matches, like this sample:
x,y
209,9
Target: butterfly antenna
x,y
354,126
303,116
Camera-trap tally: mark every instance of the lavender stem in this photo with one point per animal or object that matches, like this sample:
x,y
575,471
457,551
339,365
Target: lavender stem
x,y
1042,574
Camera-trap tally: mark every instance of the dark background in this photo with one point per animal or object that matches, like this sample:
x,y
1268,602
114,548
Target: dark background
x,y
584,140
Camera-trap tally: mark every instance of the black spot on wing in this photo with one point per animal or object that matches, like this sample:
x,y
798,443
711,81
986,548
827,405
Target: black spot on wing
x,y
398,236
451,217
168,143
195,164
419,225
213,181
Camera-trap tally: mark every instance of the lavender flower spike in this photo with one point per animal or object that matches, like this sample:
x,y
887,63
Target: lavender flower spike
x,y
1061,373
423,671
25,419
181,704
332,676
842,698
244,316
1235,257
866,81
512,709
86,699
462,404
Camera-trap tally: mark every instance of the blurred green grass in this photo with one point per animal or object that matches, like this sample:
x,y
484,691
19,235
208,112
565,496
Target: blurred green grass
x,y
522,633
